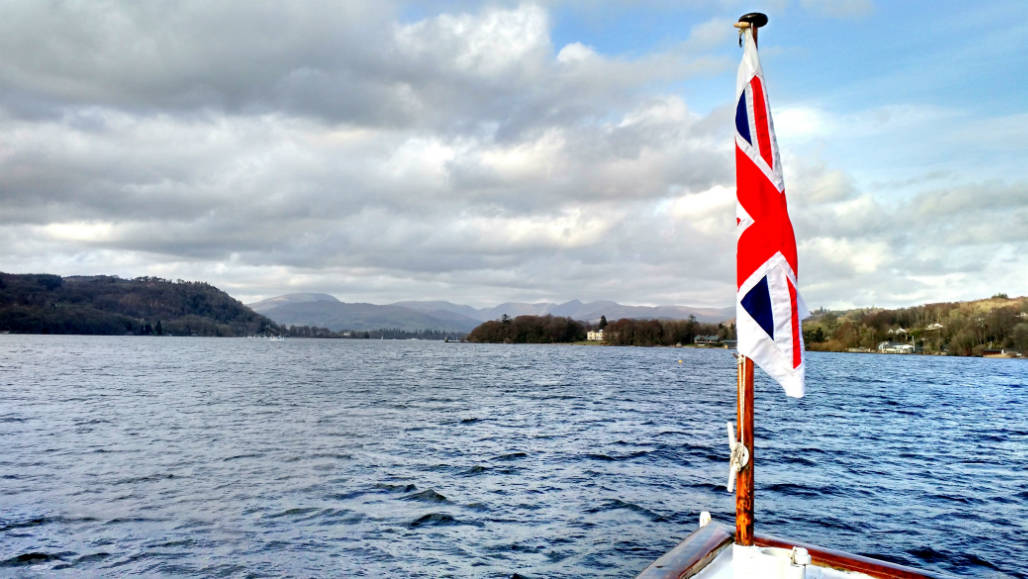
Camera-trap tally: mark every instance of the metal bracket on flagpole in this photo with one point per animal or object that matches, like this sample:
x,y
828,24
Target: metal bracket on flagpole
x,y
740,456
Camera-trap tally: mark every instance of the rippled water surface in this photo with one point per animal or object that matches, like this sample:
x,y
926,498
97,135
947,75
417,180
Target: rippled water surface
x,y
234,457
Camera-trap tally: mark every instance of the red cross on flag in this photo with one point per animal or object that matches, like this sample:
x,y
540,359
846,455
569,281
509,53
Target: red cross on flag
x,y
768,305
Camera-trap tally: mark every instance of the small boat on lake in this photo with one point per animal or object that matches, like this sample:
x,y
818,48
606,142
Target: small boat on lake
x,y
768,314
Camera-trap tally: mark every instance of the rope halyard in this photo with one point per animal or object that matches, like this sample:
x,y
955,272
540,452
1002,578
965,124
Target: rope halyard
x,y
742,26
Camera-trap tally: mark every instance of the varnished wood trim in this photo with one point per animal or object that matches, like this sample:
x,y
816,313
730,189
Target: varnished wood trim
x,y
691,555
703,545
847,561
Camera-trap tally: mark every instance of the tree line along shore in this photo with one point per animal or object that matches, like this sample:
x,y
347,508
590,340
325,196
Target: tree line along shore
x,y
624,332
109,305
994,326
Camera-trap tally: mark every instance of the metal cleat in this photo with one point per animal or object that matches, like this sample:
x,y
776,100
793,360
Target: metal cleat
x,y
740,456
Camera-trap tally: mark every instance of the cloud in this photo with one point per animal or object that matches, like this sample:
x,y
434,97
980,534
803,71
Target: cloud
x,y
496,44
146,56
576,53
802,123
353,63
902,253
355,150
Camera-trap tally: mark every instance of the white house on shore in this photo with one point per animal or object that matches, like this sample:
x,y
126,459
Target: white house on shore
x,y
894,348
594,335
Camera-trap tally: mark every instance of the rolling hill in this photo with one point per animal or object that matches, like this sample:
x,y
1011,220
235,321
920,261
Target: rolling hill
x,y
323,310
101,304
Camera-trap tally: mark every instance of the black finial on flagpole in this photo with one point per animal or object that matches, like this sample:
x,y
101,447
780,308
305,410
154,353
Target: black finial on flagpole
x,y
755,19
752,20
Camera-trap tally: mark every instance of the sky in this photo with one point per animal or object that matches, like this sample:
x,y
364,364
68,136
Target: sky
x,y
511,151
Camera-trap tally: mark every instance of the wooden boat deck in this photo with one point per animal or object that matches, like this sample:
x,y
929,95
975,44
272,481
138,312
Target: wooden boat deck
x,y
709,553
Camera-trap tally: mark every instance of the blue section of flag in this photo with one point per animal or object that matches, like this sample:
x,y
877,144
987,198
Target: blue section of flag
x,y
742,121
757,303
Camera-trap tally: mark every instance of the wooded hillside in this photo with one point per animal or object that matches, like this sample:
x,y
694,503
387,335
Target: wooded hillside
x,y
960,328
50,304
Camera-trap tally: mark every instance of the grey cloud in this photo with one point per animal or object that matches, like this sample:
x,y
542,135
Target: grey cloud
x,y
990,196
344,150
345,63
180,55
972,215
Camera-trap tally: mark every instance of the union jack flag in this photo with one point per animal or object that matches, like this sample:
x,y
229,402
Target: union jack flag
x,y
768,306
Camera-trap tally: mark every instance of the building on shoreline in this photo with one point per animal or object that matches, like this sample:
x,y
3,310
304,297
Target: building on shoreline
x,y
894,348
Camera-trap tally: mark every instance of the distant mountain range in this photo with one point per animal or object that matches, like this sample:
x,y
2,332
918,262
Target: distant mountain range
x,y
325,311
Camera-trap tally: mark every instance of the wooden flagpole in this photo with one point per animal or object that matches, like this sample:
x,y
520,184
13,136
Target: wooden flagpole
x,y
744,478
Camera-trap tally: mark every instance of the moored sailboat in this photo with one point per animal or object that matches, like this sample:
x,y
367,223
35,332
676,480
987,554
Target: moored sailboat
x,y
768,313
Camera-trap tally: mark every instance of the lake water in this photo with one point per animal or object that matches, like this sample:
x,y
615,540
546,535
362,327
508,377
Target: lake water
x,y
250,458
